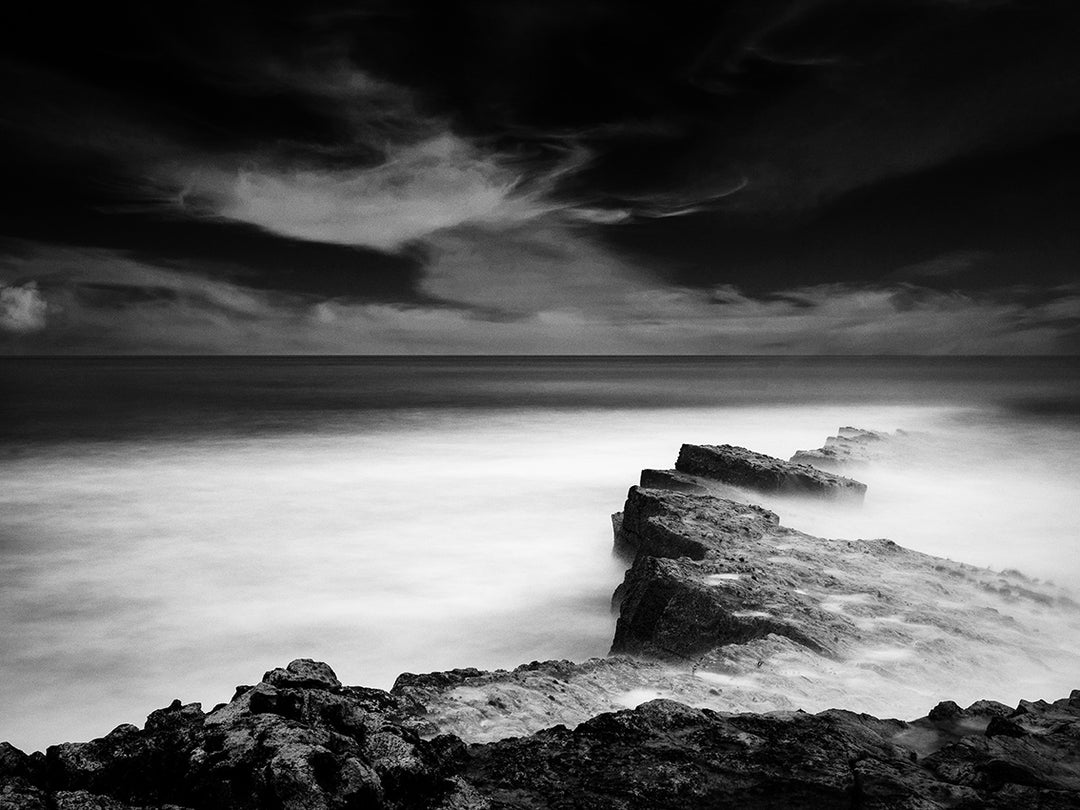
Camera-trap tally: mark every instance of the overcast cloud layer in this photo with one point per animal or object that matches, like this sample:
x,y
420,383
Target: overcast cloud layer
x,y
511,177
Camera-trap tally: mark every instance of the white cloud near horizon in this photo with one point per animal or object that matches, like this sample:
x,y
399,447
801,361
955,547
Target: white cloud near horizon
x,y
22,308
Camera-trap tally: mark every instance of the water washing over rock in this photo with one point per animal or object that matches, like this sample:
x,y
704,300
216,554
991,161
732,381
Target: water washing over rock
x,y
732,627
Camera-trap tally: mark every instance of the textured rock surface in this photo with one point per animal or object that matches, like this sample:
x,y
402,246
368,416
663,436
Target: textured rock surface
x,y
348,747
716,585
315,745
744,468
297,740
484,706
674,481
667,755
739,613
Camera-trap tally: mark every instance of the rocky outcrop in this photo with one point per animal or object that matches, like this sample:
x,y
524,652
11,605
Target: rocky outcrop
x,y
667,755
855,447
724,608
301,741
297,740
723,589
673,480
746,469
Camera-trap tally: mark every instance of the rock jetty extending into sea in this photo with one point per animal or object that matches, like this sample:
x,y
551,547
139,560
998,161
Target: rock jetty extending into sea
x,y
731,628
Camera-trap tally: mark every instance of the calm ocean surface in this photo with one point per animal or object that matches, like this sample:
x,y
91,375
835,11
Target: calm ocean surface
x,y
172,527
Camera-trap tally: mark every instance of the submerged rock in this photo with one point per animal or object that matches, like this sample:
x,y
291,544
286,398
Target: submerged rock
x,y
744,468
854,447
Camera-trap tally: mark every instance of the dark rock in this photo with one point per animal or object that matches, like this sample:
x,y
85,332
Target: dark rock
x,y
667,755
296,740
265,699
407,681
946,710
987,708
356,748
669,610
17,793
303,673
672,480
1003,726
744,468
13,762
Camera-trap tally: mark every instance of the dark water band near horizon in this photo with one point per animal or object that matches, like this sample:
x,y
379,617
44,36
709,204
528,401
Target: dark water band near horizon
x,y
170,527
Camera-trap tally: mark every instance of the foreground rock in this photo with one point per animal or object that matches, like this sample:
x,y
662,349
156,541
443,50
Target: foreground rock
x,y
299,740
667,755
744,468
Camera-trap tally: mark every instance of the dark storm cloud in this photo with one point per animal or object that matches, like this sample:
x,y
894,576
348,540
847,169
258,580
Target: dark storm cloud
x,y
586,176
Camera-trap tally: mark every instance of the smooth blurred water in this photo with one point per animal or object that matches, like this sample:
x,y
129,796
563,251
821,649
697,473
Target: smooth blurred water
x,y
172,527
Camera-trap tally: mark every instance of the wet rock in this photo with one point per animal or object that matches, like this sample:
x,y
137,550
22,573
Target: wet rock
x,y
722,589
672,480
744,468
724,608
486,706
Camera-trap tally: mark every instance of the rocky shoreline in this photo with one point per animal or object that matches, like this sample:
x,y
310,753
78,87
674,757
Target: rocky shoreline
x,y
723,611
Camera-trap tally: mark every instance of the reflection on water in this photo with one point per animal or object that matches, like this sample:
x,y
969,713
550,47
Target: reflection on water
x,y
170,528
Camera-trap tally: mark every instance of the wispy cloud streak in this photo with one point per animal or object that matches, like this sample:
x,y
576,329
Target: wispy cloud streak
x,y
102,301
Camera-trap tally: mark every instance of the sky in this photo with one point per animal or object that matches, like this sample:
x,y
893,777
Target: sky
x,y
501,176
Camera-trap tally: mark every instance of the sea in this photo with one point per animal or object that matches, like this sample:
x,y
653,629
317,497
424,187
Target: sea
x,y
173,527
